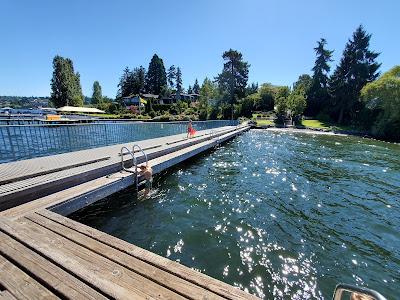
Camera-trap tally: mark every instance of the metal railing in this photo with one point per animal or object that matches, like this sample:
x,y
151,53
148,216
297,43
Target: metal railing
x,y
34,140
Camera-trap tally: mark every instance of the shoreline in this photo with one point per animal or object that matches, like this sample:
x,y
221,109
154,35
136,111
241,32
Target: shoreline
x,y
300,130
308,130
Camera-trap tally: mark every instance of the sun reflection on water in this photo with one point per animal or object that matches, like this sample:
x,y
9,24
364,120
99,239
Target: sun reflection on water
x,y
280,215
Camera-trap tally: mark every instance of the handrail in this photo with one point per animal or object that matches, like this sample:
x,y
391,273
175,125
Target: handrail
x,y
134,162
122,159
141,150
136,165
342,287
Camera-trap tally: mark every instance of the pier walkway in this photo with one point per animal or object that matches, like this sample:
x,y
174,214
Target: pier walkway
x,y
45,255
26,180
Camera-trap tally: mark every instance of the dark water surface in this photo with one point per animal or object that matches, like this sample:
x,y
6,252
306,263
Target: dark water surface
x,y
281,215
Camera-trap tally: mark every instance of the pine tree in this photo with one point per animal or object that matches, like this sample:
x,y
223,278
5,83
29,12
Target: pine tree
x,y
190,90
123,85
357,67
171,76
156,77
318,95
138,80
196,87
131,82
234,76
65,84
178,83
97,96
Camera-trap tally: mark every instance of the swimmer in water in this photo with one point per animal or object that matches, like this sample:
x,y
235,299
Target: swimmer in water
x,y
147,172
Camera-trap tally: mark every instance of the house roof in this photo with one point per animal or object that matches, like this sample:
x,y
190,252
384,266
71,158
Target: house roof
x,y
79,109
141,95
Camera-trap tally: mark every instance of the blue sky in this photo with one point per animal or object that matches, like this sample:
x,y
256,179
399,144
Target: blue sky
x,y
102,37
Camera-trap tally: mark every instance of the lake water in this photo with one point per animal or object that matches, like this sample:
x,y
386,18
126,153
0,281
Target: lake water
x,y
281,215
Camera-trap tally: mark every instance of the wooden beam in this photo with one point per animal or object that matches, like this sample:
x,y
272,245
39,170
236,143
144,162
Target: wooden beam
x,y
21,285
45,271
159,276
175,268
110,278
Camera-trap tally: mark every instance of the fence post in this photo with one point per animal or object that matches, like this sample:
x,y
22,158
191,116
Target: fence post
x,y
10,140
69,138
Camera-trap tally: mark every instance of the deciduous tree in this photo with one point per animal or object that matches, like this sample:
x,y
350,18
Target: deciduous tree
x,y
383,95
97,96
65,83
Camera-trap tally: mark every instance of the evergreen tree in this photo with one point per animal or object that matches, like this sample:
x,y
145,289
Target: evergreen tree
x,y
65,84
138,80
156,77
131,82
171,77
190,90
196,87
178,83
97,96
123,85
317,95
357,67
234,76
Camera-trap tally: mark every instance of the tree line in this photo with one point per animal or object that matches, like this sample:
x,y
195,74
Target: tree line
x,y
352,94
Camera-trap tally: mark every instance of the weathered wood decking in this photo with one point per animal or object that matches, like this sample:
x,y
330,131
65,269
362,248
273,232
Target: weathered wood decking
x,y
44,255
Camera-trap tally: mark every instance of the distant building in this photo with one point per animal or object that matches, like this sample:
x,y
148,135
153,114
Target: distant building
x,y
173,98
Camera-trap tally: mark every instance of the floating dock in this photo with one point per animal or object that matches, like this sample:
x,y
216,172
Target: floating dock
x,y
43,254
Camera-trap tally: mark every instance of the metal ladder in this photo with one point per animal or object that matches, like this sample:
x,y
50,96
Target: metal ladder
x,y
134,162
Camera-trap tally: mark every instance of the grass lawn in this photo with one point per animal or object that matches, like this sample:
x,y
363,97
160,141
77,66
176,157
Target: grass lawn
x,y
110,116
315,124
325,125
264,122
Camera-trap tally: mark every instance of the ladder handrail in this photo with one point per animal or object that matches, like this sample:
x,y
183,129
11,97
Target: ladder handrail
x,y
136,165
122,158
141,150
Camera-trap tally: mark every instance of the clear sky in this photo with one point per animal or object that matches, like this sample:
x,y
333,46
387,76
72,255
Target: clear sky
x,y
102,37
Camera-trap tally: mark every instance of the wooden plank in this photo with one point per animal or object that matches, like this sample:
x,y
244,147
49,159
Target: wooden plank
x,y
19,284
107,276
175,268
46,272
155,274
6,295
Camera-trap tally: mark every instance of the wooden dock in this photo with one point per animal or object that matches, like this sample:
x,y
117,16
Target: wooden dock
x,y
45,255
